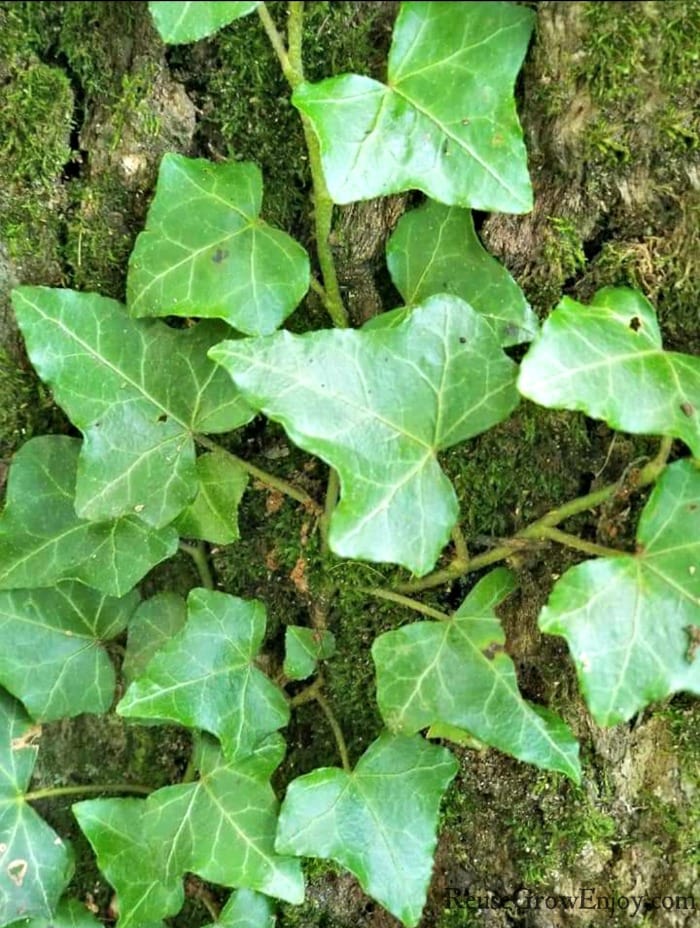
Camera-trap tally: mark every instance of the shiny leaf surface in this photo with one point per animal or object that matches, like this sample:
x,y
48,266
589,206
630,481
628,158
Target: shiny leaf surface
x,y
213,514
179,22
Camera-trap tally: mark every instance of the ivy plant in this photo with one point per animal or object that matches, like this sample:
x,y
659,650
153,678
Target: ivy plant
x,y
85,519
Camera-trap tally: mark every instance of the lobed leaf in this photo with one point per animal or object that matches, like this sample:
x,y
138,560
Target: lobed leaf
x,y
435,249
607,360
137,390
246,909
179,22
154,623
377,405
213,514
379,821
444,122
458,673
229,264
66,625
632,622
42,541
303,648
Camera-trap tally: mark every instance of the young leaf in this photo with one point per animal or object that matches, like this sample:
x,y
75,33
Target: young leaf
x,y
137,390
42,540
246,909
303,648
457,673
445,121
377,405
378,822
70,914
35,865
632,622
135,866
65,625
213,515
435,249
153,624
229,264
206,678
179,22
607,360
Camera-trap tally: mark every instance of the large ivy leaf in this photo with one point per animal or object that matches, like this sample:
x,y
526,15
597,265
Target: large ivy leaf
x,y
213,514
377,405
42,540
445,121
379,821
65,625
607,360
228,263
435,249
457,673
154,623
137,390
70,914
206,678
632,622
246,909
179,22
35,865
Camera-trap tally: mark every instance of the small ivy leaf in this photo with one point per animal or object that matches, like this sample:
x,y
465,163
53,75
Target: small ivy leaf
x,y
42,540
303,648
205,677
66,626
449,380
179,22
138,390
213,514
435,249
457,673
379,822
153,624
229,264
35,864
445,121
629,620
246,909
135,866
606,360
70,914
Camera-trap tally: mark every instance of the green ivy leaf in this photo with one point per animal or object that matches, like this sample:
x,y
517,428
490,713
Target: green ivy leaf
x,y
35,864
445,121
179,22
206,678
229,264
213,515
449,380
137,390
378,822
70,914
632,622
42,540
435,249
303,648
153,624
607,360
65,625
246,909
457,673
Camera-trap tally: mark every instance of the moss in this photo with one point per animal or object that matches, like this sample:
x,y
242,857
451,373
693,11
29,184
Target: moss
x,y
18,406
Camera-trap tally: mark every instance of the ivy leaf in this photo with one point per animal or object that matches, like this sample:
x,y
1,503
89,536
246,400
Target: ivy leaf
x,y
135,866
449,381
379,821
435,249
246,909
35,864
137,390
607,360
213,515
632,622
70,914
445,121
229,264
66,626
457,673
179,22
154,623
303,648
42,540
206,678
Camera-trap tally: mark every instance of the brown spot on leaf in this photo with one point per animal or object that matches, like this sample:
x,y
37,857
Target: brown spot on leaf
x,y
493,649
219,255
17,870
28,739
687,409
635,323
693,632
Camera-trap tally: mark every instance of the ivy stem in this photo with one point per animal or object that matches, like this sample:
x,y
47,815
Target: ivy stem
x,y
337,731
277,483
51,792
460,543
293,77
407,602
332,493
198,553
579,544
